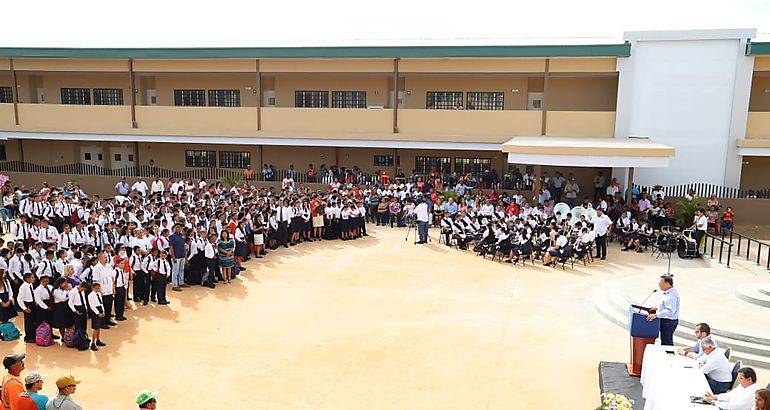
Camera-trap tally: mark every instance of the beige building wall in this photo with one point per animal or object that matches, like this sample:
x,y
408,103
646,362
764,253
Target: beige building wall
x,y
172,156
376,87
471,65
418,86
760,100
754,173
283,156
582,94
332,65
51,153
166,84
5,79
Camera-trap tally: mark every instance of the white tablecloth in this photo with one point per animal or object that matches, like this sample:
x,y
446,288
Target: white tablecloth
x,y
668,381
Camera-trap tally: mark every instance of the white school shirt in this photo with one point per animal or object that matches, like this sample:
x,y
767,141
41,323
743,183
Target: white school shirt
x,y
163,267
208,250
95,302
26,296
74,299
137,263
43,293
60,295
144,243
45,268
121,278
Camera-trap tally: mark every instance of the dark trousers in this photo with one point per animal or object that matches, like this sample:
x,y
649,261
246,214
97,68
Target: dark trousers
x,y
211,265
667,328
80,320
160,287
283,233
422,230
108,302
29,324
120,302
698,235
719,387
140,286
363,225
601,246
42,315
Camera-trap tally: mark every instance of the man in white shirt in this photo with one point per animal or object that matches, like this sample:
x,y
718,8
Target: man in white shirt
x,y
742,396
599,182
700,225
716,368
157,186
209,252
140,186
601,224
144,244
104,274
423,220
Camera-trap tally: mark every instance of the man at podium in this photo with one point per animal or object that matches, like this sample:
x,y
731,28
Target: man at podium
x,y
667,311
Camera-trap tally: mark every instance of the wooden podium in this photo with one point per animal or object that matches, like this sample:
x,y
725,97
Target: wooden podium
x,y
643,333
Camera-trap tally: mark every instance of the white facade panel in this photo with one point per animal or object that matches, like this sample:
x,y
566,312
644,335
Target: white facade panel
x,y
691,93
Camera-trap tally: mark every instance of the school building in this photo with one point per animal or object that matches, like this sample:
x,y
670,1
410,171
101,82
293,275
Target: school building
x,y
671,107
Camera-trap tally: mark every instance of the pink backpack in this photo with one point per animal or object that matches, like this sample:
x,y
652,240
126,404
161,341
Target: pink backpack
x,y
43,335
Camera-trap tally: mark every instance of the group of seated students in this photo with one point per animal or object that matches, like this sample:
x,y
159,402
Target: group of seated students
x,y
729,390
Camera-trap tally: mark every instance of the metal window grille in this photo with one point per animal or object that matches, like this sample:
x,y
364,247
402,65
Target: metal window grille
x,y
234,159
383,160
444,100
475,166
6,95
190,98
311,99
348,99
424,165
485,100
200,159
78,96
108,96
224,98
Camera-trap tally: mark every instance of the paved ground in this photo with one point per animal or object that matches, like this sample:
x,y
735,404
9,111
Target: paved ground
x,y
377,323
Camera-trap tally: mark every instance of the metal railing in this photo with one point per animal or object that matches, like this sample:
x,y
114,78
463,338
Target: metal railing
x,y
744,246
722,244
705,190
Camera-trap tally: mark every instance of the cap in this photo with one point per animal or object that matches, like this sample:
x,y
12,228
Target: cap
x,y
34,377
146,395
65,381
12,359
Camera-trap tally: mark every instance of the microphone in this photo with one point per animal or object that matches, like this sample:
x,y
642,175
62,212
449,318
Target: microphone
x,y
648,296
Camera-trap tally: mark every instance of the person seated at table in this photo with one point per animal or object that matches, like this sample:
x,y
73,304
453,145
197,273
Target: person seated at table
x,y
742,396
762,399
702,331
715,367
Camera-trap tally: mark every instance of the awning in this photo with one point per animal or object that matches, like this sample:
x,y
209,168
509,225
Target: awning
x,y
588,152
754,147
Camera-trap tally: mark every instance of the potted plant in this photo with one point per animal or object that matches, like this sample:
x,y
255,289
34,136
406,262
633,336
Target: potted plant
x,y
615,401
685,210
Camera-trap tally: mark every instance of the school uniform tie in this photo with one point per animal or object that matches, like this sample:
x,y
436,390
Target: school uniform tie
x,y
100,308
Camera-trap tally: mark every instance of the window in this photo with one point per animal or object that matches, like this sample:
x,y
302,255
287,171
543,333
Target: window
x,y
117,157
80,96
87,156
224,98
200,159
383,160
485,100
444,100
189,98
99,157
424,165
6,95
475,166
3,156
348,99
130,157
108,96
311,99
234,159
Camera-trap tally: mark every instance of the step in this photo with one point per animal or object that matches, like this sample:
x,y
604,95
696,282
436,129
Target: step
x,y
765,289
751,293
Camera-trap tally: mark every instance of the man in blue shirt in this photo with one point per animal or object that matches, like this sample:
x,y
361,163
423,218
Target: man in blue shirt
x,y
176,250
122,187
451,207
667,311
33,382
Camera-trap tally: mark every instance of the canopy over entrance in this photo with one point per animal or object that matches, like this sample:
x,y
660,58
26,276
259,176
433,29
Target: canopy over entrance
x,y
588,152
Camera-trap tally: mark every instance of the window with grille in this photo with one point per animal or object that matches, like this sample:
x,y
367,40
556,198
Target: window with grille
x,y
475,166
424,165
224,98
6,95
108,96
444,100
200,159
348,99
311,99
190,98
383,160
234,159
3,156
78,96
485,100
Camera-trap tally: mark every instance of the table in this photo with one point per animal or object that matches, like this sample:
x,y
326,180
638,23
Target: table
x,y
668,380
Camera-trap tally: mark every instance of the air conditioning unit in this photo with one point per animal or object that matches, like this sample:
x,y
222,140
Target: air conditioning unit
x,y
535,101
268,98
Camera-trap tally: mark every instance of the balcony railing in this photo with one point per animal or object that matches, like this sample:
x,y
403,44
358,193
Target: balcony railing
x,y
480,126
63,117
758,125
197,118
6,115
580,124
327,120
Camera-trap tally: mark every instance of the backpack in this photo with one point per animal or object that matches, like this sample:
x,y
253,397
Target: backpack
x,y
74,218
43,335
9,332
81,340
69,337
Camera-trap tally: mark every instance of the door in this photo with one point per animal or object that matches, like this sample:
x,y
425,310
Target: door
x,y
152,97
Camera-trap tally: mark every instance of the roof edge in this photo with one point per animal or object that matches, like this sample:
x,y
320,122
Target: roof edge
x,y
567,50
760,48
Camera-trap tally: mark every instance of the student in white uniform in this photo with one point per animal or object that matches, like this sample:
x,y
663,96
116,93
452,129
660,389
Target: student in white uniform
x,y
96,311
26,301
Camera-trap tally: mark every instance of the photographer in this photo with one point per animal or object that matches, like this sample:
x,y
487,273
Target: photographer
x,y
423,220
